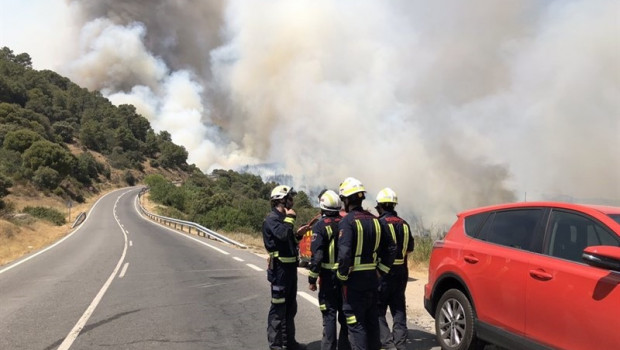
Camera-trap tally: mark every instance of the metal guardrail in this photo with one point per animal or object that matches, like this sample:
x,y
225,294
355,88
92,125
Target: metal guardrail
x,y
176,224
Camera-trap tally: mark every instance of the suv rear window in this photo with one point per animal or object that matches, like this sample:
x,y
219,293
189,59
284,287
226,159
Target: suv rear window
x,y
512,228
473,224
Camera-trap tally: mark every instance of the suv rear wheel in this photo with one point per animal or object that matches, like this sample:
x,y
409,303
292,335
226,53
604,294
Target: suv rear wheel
x,y
454,322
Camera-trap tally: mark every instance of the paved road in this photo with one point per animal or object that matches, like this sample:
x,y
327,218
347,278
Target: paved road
x,y
123,282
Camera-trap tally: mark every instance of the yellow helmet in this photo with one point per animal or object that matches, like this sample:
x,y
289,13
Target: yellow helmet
x,y
387,195
281,191
350,186
330,201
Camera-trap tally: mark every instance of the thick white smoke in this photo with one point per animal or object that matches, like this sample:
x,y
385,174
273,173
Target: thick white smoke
x,y
452,105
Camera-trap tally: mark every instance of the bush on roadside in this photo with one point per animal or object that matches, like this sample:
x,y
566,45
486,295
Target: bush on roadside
x,y
50,214
422,249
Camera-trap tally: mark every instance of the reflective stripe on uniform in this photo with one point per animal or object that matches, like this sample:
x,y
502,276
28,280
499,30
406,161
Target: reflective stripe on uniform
x,y
359,244
341,277
288,259
364,267
383,268
278,300
284,259
332,244
313,274
329,266
322,307
405,243
377,233
290,220
351,320
393,232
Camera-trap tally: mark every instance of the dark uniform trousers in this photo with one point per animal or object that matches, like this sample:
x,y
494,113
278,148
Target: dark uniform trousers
x,y
280,323
392,294
362,315
330,301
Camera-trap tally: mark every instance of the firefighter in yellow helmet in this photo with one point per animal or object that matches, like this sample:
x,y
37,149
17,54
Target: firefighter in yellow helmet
x,y
281,244
365,252
323,267
393,285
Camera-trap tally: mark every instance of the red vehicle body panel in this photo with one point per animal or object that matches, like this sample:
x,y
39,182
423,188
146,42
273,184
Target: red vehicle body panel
x,y
549,300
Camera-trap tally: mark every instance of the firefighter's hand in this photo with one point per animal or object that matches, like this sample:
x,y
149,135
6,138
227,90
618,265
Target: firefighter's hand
x,y
312,287
290,212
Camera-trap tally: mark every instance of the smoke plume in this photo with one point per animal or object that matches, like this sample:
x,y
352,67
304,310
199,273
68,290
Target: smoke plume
x,y
452,105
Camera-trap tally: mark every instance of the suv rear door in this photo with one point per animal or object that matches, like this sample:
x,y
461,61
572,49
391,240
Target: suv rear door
x,y
497,264
570,304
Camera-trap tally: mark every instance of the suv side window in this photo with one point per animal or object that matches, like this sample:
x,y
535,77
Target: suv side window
x,y
512,228
570,233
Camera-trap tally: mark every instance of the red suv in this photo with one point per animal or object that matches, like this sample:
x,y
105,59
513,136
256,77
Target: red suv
x,y
528,276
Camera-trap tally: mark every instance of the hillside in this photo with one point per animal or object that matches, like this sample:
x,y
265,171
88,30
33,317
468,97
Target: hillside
x,y
61,148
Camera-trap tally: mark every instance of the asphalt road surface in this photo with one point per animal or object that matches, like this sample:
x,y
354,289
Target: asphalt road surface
x,y
121,281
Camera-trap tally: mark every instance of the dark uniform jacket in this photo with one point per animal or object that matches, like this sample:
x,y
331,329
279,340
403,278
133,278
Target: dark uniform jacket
x,y
364,245
324,245
278,236
400,231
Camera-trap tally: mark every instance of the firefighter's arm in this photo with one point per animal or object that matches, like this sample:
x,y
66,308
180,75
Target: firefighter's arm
x,y
281,230
345,241
387,250
316,247
410,244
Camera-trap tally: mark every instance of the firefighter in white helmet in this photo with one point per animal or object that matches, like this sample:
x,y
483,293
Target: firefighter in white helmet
x,y
392,286
281,244
365,252
323,267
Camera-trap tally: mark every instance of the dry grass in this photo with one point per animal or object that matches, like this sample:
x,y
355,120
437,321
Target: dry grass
x,y
21,235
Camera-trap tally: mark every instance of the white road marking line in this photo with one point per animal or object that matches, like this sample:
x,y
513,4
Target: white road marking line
x,y
57,243
254,267
73,334
238,259
309,297
122,274
131,243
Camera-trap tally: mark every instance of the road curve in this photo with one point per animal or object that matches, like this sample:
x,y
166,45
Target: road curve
x,y
123,282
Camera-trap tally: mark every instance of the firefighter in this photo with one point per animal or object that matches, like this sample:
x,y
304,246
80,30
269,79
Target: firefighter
x,y
393,285
365,252
281,244
323,266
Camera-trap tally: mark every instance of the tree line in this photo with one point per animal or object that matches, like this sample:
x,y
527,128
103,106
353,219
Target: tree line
x,y
223,200
42,113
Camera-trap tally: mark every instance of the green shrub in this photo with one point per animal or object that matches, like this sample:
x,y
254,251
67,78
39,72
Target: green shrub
x,y
422,249
50,214
129,178
46,178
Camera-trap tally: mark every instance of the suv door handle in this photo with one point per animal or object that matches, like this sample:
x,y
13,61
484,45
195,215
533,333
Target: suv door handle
x,y
471,259
540,275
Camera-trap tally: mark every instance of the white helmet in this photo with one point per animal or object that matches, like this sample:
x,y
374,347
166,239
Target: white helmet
x,y
387,195
281,191
330,201
350,186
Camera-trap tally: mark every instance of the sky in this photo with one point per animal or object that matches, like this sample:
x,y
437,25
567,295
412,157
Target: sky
x,y
453,105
